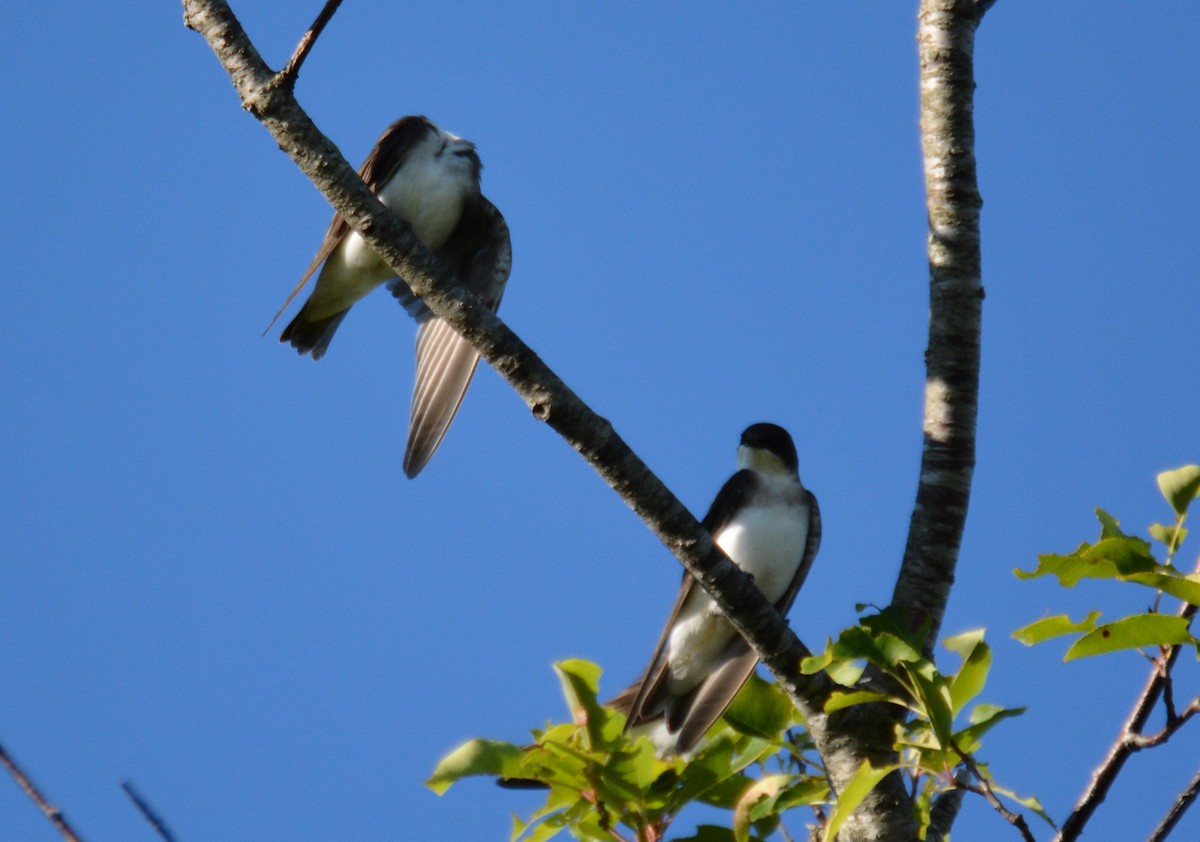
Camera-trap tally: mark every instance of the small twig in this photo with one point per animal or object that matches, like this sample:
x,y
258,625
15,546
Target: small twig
x,y
984,788
1106,773
1176,812
291,70
147,812
1137,742
1168,693
51,812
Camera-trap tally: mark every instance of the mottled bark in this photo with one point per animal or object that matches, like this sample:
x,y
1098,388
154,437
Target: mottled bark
x,y
946,40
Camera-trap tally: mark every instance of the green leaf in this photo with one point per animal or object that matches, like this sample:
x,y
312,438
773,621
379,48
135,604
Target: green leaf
x,y
1109,526
838,700
1170,581
1170,535
1123,559
1128,556
476,757
1029,803
1069,569
1132,633
767,787
933,696
580,682
636,769
1049,628
971,677
1180,487
983,718
805,791
760,709
709,833
857,788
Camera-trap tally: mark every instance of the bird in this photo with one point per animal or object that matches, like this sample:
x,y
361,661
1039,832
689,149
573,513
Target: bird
x,y
429,178
769,525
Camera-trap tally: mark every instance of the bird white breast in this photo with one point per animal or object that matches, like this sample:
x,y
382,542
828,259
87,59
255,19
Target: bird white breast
x,y
766,542
429,190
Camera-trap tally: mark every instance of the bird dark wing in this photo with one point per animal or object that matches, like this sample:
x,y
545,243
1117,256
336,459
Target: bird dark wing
x,y
480,253
690,716
713,697
647,701
384,159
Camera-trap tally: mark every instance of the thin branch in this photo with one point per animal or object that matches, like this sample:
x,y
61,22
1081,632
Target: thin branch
x,y
1137,742
51,812
148,813
291,70
550,400
984,788
1185,800
1106,773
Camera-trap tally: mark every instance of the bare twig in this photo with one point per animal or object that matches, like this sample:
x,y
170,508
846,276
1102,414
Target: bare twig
x,y
984,788
291,70
51,812
1106,773
1185,800
148,813
1137,742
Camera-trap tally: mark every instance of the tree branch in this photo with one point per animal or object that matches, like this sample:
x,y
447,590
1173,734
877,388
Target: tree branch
x,y
946,43
51,812
1137,742
291,70
152,818
1106,773
1185,800
550,400
847,737
984,788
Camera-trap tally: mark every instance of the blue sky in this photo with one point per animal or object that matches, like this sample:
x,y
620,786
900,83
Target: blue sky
x,y
217,581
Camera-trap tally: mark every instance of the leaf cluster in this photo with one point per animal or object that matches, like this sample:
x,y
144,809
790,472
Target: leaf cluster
x,y
603,784
942,731
1119,557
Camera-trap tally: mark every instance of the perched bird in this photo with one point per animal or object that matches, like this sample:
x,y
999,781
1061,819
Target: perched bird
x,y
769,525
430,179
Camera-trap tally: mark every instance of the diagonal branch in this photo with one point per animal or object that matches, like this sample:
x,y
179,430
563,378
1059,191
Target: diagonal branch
x,y
1125,744
984,788
51,812
550,400
291,70
1185,800
148,813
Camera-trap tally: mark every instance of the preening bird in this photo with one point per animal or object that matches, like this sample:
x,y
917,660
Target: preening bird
x,y
769,525
430,179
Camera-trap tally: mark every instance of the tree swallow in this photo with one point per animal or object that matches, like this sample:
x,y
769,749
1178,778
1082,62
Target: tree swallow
x,y
430,179
769,526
